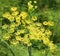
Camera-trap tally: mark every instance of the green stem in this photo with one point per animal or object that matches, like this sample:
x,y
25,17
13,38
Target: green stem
x,y
30,51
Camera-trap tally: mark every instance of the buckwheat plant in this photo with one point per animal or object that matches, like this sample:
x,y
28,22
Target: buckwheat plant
x,y
24,27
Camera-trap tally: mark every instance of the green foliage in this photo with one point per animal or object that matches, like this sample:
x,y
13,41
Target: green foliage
x,y
49,10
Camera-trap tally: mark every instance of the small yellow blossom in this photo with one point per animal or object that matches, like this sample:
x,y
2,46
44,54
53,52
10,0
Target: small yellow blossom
x,y
14,42
45,41
13,8
48,32
38,24
30,1
12,25
36,7
11,18
50,23
22,31
17,24
23,22
15,13
34,18
4,26
32,37
30,6
35,1
18,38
26,39
6,36
45,23
29,44
11,30
52,47
42,29
19,32
28,21
6,15
18,19
23,15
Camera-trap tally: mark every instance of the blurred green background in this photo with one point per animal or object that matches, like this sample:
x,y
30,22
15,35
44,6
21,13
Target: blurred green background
x,y
52,9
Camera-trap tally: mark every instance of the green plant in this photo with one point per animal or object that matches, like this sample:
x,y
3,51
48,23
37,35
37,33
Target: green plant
x,y
22,26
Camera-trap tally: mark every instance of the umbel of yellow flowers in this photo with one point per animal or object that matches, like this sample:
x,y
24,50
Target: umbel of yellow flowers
x,y
23,29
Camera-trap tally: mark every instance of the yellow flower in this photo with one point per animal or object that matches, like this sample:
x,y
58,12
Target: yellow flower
x,y
14,42
15,13
22,31
52,47
35,1
18,19
6,15
4,26
23,22
35,7
25,40
13,8
17,24
45,23
28,21
48,32
11,30
18,38
30,6
11,18
19,32
32,37
45,40
29,44
23,15
34,18
50,23
12,25
30,1
6,36
38,24
42,29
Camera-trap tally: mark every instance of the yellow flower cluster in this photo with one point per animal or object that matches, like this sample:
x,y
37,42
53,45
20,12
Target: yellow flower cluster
x,y
23,29
49,23
8,16
23,15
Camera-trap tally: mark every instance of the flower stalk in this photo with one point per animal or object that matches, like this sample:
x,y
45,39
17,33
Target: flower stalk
x,y
30,51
